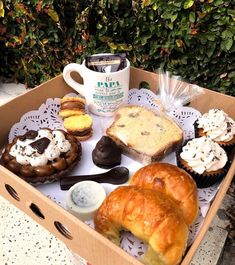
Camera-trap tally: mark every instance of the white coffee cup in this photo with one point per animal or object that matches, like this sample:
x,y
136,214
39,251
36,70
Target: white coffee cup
x,y
104,92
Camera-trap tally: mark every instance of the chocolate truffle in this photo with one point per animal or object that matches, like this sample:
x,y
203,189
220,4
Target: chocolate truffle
x,y
106,153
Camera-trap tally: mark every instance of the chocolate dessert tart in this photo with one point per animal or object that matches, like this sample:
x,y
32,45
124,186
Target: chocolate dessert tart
x,y
42,156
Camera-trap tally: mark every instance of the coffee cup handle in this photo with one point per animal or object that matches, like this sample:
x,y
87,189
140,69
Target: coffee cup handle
x,y
73,67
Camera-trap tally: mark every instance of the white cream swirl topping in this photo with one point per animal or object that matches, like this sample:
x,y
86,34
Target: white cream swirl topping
x,y
26,154
203,154
217,125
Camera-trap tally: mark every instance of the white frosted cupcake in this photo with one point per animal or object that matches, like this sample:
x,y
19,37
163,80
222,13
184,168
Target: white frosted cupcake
x,y
218,126
204,160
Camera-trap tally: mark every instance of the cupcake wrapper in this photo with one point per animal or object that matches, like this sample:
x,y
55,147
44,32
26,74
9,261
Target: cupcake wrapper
x,y
202,180
227,146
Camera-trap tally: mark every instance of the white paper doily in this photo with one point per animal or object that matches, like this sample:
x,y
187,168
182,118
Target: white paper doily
x,y
47,116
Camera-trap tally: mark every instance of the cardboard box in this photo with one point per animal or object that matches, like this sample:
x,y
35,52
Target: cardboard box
x,y
81,239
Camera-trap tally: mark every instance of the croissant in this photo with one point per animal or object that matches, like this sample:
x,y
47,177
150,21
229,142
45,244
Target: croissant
x,y
151,217
172,181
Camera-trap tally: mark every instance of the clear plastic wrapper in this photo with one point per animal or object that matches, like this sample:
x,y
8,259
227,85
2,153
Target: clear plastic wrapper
x,y
174,92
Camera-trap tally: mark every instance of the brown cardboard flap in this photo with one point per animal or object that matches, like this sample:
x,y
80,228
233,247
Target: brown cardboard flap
x,y
212,99
138,76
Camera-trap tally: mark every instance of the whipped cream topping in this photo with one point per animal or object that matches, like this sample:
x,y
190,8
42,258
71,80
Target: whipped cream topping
x,y
203,154
217,125
26,154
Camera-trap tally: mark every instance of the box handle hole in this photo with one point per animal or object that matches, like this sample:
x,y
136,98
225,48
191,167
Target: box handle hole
x,y
35,209
63,230
12,192
144,84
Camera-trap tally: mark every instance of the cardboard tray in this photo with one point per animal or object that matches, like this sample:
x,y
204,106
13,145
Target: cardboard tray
x,y
80,238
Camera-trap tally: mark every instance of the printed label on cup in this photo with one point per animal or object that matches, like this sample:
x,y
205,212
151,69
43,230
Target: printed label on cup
x,y
108,95
104,92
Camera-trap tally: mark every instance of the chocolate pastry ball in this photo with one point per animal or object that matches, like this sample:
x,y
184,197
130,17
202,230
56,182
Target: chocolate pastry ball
x,y
106,153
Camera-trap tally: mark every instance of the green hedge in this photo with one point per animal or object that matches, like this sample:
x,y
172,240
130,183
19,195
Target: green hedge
x,y
193,39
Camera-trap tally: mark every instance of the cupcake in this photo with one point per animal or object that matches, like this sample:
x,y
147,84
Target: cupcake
x,y
204,160
218,126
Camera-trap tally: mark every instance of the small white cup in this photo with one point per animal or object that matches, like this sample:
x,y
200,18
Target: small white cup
x,y
104,92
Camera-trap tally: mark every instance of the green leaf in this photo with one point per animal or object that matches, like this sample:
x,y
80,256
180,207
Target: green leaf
x,y
112,45
124,47
179,43
231,12
151,14
99,26
155,7
226,34
218,2
216,16
53,14
105,39
174,17
184,60
211,49
2,12
203,39
231,75
188,4
146,2
177,3
229,44
211,36
192,17
170,25
166,14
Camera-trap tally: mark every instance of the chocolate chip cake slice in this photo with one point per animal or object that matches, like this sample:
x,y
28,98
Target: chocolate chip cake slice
x,y
143,134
